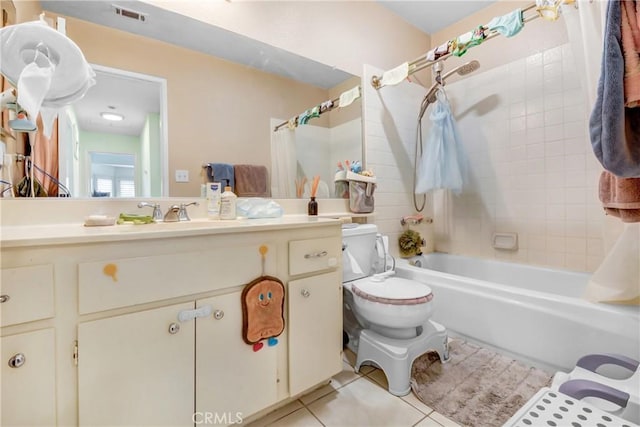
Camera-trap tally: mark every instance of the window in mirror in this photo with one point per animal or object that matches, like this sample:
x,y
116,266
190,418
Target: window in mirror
x,y
112,174
140,100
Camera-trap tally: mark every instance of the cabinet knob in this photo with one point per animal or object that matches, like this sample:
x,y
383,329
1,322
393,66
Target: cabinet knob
x,y
4,298
305,293
218,314
174,328
17,360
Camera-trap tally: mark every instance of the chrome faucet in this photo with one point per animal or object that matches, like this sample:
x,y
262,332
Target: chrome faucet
x,y
183,215
172,214
157,213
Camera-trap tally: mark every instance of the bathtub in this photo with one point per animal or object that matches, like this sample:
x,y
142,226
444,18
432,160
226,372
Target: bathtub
x,y
533,313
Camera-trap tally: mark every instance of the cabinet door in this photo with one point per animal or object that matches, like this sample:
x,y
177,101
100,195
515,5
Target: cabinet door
x,y
28,379
136,369
315,330
232,381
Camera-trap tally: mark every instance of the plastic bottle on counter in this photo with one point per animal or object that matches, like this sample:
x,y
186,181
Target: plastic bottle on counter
x,y
228,203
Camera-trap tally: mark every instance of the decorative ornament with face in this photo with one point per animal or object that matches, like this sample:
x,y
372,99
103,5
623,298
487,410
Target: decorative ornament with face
x,y
263,310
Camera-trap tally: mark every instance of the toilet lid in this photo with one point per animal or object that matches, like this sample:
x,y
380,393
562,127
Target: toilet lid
x,y
393,290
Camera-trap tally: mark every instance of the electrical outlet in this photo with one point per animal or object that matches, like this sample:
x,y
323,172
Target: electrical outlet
x,y
182,175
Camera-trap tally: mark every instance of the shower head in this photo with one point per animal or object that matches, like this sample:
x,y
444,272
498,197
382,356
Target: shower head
x,y
462,70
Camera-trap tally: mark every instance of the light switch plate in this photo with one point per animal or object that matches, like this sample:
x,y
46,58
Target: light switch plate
x,y
182,175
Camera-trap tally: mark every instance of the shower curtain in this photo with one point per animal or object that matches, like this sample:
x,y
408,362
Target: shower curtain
x,y
617,279
283,162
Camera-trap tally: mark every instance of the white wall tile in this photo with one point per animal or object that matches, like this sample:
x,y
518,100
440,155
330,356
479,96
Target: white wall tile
x,y
531,165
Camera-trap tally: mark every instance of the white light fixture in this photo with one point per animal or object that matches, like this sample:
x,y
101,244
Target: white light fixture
x,y
114,117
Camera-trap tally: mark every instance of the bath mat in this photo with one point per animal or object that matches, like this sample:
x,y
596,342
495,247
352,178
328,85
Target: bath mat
x,y
477,387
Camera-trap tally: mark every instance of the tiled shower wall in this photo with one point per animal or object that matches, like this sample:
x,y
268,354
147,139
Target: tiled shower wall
x,y
530,166
389,134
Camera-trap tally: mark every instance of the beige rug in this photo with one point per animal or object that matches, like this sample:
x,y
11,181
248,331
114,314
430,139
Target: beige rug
x,y
477,387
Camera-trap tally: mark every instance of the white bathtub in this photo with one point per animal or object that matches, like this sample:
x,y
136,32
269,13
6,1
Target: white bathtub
x,y
532,312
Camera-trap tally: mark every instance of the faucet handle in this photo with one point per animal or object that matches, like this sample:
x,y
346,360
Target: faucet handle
x,y
157,213
183,215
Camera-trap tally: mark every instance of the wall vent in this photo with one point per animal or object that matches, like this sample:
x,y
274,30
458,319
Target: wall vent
x,y
129,13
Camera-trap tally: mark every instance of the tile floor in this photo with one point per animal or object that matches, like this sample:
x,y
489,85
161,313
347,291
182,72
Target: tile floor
x,y
355,399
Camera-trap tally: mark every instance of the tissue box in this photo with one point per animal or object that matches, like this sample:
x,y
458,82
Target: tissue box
x,y
361,190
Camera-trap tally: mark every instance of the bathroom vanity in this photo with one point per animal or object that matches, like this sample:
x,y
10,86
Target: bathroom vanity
x,y
142,324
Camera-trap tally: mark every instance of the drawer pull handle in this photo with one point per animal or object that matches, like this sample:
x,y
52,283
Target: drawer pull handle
x,y
187,315
316,255
218,314
17,360
305,293
174,328
4,298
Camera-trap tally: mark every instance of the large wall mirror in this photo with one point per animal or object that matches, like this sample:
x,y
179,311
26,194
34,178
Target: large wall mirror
x,y
224,91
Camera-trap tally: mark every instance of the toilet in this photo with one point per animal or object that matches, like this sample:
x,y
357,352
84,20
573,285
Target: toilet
x,y
386,318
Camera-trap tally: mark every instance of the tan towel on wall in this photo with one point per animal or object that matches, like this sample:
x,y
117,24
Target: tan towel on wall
x,y
251,181
630,30
620,197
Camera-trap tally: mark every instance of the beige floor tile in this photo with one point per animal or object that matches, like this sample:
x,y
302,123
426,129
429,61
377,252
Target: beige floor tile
x,y
413,400
350,357
340,379
363,403
379,377
428,422
446,422
300,418
277,414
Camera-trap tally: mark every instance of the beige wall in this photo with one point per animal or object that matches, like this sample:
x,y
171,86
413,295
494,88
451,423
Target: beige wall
x,y
344,34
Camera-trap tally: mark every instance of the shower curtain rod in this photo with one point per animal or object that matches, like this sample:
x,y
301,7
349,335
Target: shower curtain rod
x,y
334,104
421,62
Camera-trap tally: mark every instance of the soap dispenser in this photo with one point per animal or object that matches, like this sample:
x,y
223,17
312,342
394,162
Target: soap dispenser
x,y
228,203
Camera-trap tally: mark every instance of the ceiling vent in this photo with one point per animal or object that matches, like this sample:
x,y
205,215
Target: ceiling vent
x,y
128,13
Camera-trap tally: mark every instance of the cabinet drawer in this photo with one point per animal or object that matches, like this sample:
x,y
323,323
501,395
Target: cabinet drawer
x,y
306,256
27,294
114,283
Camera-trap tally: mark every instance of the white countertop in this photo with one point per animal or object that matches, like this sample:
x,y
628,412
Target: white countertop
x,y
59,234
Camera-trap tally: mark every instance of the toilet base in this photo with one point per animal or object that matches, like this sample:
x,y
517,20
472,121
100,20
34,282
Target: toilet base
x,y
395,357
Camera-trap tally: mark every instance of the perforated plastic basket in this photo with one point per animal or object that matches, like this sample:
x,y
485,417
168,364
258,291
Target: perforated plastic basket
x,y
549,408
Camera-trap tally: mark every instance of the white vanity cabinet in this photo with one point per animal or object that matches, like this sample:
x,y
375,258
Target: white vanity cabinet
x,y
232,380
27,370
315,314
137,369
28,379
113,348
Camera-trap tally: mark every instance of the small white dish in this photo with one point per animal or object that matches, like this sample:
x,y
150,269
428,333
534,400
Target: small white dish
x,y
99,220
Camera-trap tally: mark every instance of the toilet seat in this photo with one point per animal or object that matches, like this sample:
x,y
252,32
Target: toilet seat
x,y
393,290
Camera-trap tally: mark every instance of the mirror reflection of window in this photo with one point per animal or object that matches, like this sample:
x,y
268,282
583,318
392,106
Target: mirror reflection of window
x,y
122,113
112,174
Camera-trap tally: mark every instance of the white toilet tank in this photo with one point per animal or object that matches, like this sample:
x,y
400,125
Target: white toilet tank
x,y
359,253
